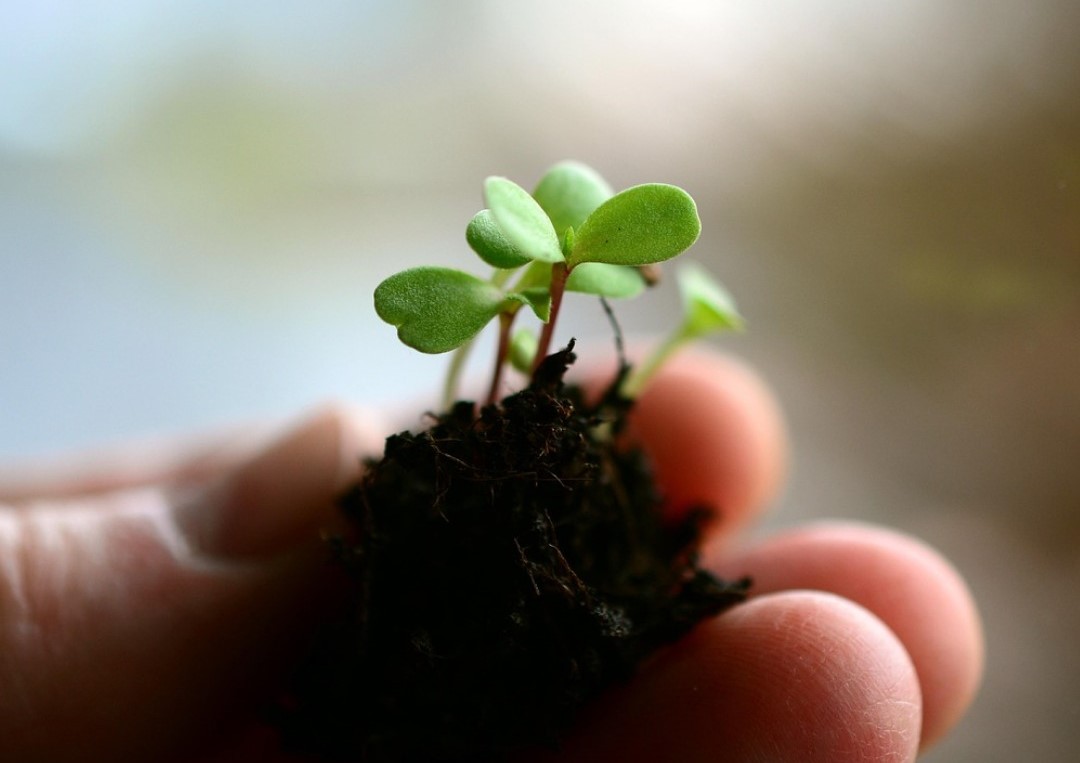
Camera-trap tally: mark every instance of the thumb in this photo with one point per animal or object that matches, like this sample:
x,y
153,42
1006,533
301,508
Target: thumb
x,y
138,624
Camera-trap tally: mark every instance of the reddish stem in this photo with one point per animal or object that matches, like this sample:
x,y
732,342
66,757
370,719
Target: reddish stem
x,y
559,274
506,320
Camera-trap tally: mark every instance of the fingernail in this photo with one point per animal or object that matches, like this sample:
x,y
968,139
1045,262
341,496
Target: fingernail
x,y
281,498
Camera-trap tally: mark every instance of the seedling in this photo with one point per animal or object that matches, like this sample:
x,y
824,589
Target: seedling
x,y
707,308
572,234
511,561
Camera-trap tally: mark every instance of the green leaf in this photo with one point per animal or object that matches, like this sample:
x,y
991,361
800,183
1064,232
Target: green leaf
x,y
642,225
487,240
536,297
567,243
536,274
437,309
707,304
524,224
601,279
569,192
522,350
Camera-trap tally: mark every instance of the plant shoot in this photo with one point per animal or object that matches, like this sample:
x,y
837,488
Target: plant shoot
x,y
571,234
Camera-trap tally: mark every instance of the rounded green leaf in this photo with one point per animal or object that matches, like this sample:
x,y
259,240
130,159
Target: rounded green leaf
x,y
437,309
569,192
523,350
523,223
601,279
639,226
708,305
487,240
536,297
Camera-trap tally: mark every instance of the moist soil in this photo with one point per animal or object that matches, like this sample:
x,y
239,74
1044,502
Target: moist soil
x,y
507,565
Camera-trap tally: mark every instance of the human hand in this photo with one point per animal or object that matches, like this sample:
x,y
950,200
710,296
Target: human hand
x,y
858,643
151,597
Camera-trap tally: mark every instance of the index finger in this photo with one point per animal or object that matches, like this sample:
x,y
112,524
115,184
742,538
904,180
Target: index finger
x,y
186,458
119,466
715,435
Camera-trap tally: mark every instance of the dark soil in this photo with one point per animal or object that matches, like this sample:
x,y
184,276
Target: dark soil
x,y
507,566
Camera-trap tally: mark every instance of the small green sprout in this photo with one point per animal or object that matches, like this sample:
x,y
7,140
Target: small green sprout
x,y
707,308
523,350
571,234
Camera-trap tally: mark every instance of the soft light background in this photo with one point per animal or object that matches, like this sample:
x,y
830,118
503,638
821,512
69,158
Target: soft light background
x,y
197,198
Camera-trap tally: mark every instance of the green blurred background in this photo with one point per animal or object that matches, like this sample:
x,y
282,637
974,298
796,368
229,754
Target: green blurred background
x,y
197,199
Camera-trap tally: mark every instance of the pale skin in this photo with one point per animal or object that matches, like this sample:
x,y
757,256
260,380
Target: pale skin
x,y
150,597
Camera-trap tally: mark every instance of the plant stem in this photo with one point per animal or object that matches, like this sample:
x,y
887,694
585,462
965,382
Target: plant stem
x,y
559,273
457,361
506,320
639,377
453,373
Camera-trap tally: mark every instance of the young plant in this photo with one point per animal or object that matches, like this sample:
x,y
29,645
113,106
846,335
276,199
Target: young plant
x,y
510,562
571,234
707,308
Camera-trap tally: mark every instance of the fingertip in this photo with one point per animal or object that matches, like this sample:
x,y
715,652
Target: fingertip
x,y
715,434
280,497
803,676
828,673
904,582
360,433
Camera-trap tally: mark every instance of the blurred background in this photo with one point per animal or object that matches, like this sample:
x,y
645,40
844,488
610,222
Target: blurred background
x,y
197,199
